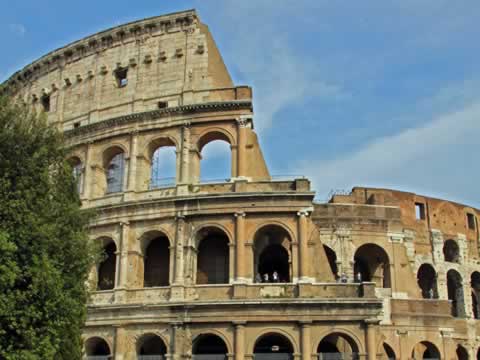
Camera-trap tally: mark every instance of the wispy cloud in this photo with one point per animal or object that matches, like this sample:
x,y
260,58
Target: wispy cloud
x,y
17,29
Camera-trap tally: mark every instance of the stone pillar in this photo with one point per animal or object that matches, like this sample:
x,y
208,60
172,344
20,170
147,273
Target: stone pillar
x,y
178,279
405,352
239,340
240,275
241,148
122,257
176,342
132,165
184,173
120,343
304,258
87,176
305,334
371,342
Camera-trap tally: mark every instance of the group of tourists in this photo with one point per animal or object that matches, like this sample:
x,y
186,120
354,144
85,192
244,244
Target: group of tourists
x,y
273,277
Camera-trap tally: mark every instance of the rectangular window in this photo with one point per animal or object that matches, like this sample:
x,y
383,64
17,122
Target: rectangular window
x,y
46,103
420,211
121,76
471,221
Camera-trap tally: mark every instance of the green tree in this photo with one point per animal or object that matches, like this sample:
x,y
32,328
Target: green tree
x,y
45,255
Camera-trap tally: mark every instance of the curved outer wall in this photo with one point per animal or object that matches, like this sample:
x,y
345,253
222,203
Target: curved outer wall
x,y
127,91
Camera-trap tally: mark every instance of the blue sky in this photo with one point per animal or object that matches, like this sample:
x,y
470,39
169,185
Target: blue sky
x,y
372,93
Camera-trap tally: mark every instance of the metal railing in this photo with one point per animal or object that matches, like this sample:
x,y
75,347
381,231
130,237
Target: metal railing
x,y
338,356
151,357
209,357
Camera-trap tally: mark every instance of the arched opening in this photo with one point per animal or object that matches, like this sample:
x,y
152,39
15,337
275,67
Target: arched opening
x,y
273,347
216,157
337,346
462,353
114,164
107,267
427,281
212,257
455,293
157,262
475,285
478,354
272,249
451,252
163,169
77,172
209,347
151,347
332,260
372,264
425,350
388,352
97,348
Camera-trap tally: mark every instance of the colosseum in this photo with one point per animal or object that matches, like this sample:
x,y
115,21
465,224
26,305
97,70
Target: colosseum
x,y
249,267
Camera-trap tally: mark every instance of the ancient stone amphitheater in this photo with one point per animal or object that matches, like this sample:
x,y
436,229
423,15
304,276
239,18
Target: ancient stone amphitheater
x,y
247,267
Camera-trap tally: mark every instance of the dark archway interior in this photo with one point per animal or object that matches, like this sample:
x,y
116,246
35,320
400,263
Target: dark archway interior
x,y
152,345
475,285
451,252
425,350
337,344
389,352
273,343
372,262
97,347
455,293
106,269
157,262
427,281
274,258
462,353
332,260
209,344
212,259
431,354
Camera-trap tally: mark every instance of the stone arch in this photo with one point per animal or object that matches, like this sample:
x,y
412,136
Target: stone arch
x,y
151,344
77,166
451,251
210,345
427,281
341,331
455,293
213,256
274,342
107,266
272,253
97,346
388,352
425,350
155,247
208,137
332,260
337,343
371,261
475,286
462,353
155,153
113,162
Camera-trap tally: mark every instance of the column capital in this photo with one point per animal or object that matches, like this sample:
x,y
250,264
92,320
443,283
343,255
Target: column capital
x,y
304,212
124,223
244,120
239,323
180,217
240,214
304,323
134,132
372,321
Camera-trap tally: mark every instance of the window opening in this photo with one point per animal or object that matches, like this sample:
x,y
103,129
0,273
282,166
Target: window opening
x,y
471,221
46,103
162,104
115,174
121,76
419,211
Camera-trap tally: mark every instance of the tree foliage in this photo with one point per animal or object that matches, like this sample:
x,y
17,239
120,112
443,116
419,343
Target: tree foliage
x,y
45,256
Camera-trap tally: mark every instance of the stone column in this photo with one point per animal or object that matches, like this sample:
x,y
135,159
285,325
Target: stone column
x,y
120,343
184,174
305,334
122,258
178,279
371,342
405,352
87,176
132,165
239,340
304,259
240,275
241,148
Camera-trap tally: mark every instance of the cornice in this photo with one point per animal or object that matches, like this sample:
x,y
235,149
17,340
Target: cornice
x,y
100,41
155,114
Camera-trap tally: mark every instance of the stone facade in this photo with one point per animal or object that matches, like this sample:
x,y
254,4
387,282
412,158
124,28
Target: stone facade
x,y
373,274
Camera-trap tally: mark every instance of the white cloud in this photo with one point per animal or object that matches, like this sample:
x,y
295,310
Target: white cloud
x,y
429,159
17,29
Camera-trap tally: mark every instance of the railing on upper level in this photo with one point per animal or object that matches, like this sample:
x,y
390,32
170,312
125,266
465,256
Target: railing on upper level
x,y
209,357
151,357
338,356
